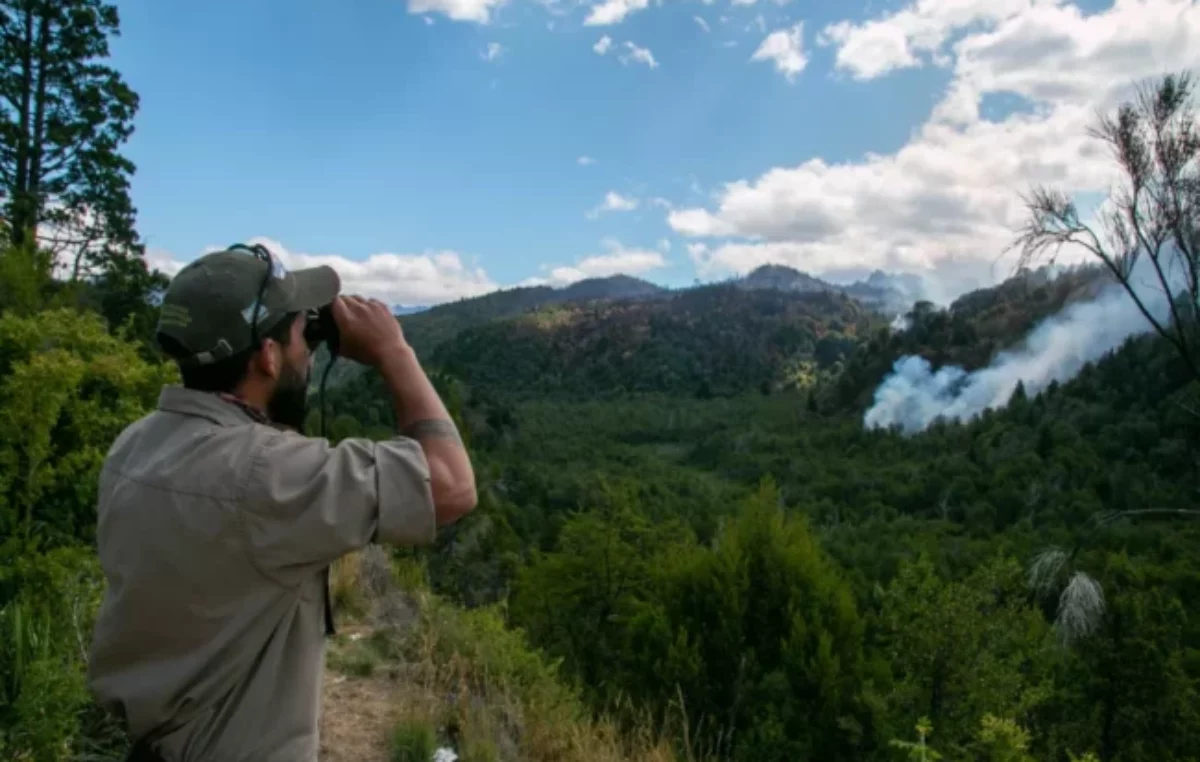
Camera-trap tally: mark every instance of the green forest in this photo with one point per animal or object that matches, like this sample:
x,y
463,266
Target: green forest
x,y
683,522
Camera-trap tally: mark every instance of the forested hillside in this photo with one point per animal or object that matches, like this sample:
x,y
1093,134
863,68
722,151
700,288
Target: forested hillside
x,y
807,586
714,340
974,328
430,329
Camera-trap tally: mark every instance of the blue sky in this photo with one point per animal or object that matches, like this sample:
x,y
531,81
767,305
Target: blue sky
x,y
873,138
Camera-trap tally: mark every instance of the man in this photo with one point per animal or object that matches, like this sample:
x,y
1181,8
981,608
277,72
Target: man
x,y
218,519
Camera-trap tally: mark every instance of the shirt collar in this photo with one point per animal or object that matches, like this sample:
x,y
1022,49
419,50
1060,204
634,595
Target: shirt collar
x,y
256,414
223,410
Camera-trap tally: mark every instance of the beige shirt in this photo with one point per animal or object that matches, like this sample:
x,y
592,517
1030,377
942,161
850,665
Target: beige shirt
x,y
213,534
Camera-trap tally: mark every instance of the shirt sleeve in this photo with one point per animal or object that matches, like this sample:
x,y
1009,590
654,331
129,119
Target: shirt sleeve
x,y
308,503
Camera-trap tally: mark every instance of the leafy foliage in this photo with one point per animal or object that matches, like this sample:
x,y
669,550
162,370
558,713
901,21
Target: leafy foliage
x,y
67,388
963,649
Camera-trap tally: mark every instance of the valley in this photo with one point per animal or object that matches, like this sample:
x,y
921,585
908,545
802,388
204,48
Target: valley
x,y
645,529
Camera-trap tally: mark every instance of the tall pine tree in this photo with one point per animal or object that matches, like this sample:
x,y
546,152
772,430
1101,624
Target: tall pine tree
x,y
63,118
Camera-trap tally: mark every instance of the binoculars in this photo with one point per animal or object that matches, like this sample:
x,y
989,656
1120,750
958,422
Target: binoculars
x,y
321,327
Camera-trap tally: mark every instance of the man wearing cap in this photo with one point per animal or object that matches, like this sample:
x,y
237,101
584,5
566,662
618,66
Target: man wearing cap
x,y
218,518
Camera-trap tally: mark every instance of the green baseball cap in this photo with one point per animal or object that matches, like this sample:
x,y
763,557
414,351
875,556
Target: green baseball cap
x,y
210,303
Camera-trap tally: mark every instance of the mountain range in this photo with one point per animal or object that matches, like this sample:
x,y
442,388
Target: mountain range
x,y
775,329
887,294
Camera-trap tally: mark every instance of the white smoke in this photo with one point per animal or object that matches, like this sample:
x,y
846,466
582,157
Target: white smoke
x,y
900,323
915,396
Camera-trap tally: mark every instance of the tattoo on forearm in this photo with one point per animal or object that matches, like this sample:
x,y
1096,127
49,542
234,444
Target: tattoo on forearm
x,y
434,428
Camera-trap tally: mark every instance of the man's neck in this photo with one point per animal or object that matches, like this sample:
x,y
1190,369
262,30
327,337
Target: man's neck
x,y
258,413
254,392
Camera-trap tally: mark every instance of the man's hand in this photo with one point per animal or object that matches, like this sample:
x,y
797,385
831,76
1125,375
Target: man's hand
x,y
369,332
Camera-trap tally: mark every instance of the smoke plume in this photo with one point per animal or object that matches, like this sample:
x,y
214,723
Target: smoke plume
x,y
914,395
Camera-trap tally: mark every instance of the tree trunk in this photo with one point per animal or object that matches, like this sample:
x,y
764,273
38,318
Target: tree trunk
x,y
1111,701
37,139
20,199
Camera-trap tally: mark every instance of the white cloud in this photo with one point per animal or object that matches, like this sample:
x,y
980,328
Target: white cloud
x,y
613,202
397,279
428,20
585,161
948,202
786,48
638,55
617,261
602,45
613,11
664,244
1054,54
911,35
161,260
703,24
493,51
477,11
744,2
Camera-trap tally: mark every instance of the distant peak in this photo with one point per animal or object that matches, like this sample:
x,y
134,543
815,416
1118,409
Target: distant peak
x,y
618,286
784,278
774,269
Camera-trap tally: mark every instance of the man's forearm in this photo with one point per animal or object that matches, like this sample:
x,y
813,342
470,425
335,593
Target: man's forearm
x,y
421,415
413,394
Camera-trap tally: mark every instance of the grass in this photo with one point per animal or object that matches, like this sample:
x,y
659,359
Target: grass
x,y
413,741
497,699
355,659
346,588
462,679
480,750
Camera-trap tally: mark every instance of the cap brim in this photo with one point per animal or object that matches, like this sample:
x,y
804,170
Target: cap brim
x,y
315,287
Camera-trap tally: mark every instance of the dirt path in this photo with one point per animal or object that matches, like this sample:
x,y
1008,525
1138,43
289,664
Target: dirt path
x,y
360,708
356,715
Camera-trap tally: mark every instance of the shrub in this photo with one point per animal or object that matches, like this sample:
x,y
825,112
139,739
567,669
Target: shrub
x,y
413,741
44,633
345,586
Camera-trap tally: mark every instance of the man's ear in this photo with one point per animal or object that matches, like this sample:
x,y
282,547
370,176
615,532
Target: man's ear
x,y
269,359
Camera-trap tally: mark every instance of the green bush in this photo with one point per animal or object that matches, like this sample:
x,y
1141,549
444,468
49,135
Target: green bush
x,y
413,741
410,573
67,389
496,653
357,659
44,633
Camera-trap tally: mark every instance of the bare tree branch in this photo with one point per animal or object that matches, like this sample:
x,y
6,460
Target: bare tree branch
x,y
1153,216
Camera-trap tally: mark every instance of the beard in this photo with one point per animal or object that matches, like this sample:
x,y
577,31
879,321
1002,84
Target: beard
x,y
289,404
